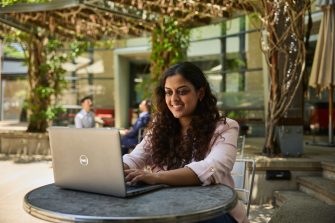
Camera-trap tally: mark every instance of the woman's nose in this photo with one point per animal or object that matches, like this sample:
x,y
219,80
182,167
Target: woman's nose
x,y
175,96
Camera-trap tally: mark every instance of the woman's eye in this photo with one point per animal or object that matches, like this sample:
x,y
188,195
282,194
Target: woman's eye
x,y
168,93
182,92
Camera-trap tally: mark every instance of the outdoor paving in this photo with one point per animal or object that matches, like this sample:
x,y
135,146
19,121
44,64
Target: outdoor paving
x,y
15,181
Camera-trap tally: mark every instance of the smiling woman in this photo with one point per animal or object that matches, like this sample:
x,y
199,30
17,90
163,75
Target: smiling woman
x,y
188,142
181,98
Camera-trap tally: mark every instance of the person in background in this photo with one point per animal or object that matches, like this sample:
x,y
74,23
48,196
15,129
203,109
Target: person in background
x,y
129,137
188,141
85,118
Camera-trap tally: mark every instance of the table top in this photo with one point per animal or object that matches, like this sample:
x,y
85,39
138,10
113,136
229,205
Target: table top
x,y
171,204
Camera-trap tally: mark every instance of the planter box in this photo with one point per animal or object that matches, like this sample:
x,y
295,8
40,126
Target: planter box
x,y
290,140
24,143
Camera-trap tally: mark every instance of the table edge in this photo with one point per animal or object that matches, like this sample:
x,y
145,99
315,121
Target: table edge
x,y
60,217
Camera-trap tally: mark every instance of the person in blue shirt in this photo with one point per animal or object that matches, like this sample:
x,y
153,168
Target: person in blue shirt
x,y
130,137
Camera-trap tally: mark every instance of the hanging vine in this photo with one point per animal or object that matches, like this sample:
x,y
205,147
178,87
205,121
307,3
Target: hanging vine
x,y
169,43
46,79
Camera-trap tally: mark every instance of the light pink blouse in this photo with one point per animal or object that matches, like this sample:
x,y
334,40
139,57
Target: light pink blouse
x,y
214,169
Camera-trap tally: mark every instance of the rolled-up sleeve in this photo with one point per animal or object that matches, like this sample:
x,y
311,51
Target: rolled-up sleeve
x,y
216,167
138,158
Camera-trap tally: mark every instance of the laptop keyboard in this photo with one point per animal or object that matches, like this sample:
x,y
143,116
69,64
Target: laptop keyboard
x,y
142,188
135,187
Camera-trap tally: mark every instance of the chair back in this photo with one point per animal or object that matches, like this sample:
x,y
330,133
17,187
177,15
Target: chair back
x,y
243,174
240,146
140,134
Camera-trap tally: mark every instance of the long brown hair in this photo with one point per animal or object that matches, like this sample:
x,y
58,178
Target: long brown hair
x,y
167,146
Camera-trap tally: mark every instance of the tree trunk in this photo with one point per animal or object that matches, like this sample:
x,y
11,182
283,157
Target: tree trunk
x,y
286,58
268,148
38,99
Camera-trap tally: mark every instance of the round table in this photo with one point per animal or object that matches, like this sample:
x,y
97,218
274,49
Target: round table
x,y
171,204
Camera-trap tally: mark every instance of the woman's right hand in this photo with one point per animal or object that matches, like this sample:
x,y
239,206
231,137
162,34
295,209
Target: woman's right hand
x,y
134,176
125,166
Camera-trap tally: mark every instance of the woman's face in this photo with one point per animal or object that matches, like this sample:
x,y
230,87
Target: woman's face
x,y
181,97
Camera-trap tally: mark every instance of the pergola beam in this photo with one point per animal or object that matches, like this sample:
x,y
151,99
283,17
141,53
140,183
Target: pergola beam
x,y
113,11
17,25
38,7
98,19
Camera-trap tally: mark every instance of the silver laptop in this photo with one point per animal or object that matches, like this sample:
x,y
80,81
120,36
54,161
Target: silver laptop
x,y
89,159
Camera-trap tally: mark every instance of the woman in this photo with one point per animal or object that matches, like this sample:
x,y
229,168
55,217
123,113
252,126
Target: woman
x,y
188,142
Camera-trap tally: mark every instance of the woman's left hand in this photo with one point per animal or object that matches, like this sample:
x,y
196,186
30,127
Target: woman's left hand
x,y
134,176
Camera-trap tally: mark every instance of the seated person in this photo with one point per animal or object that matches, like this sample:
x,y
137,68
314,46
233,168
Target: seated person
x,y
129,137
189,143
85,118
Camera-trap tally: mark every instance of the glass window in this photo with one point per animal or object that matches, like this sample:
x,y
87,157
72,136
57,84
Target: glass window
x,y
14,94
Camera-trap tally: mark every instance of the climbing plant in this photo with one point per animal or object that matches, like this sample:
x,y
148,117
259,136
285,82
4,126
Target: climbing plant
x,y
169,43
283,35
44,57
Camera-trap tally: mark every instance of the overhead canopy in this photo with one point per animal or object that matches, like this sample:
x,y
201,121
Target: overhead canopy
x,y
99,19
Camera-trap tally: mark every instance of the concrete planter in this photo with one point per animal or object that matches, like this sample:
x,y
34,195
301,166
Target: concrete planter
x,y
16,142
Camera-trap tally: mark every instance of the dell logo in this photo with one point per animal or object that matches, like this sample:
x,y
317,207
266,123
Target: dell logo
x,y
83,160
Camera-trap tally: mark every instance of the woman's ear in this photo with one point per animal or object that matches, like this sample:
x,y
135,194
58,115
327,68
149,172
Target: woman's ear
x,y
201,93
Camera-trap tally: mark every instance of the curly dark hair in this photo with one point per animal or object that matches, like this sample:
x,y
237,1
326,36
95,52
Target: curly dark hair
x,y
169,149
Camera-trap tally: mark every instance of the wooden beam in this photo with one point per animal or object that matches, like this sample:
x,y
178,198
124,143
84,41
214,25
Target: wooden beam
x,y
37,7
